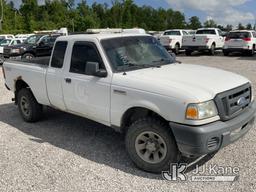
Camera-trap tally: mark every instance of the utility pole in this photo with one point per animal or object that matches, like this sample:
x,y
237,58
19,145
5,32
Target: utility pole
x,y
2,15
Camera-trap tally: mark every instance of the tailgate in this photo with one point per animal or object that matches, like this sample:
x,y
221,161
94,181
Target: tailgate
x,y
236,43
165,40
195,40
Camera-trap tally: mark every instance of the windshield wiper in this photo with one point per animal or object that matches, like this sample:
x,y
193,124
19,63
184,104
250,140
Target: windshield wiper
x,y
144,65
161,60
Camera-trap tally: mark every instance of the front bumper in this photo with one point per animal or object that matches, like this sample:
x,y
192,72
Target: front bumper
x,y
205,139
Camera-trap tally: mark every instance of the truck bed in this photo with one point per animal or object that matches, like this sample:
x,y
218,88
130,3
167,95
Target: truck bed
x,y
33,72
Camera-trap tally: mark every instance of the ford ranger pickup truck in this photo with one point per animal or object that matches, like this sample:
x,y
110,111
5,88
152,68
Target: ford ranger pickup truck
x,y
205,39
132,84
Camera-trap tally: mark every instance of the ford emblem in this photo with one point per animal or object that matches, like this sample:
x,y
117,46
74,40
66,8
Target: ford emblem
x,y
241,101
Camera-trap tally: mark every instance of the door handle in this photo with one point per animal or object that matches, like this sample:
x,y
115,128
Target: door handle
x,y
68,80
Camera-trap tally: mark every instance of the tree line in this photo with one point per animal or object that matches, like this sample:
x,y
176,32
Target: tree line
x,y
55,14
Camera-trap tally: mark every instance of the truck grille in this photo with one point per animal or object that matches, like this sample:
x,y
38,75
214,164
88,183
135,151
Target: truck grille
x,y
231,103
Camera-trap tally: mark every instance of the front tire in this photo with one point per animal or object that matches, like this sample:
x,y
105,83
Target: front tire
x,y
177,49
151,145
29,108
28,56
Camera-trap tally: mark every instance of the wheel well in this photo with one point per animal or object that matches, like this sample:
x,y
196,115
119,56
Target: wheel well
x,y
135,113
30,52
214,43
178,44
20,84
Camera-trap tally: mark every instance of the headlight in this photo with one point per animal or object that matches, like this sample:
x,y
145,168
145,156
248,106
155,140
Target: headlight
x,y
201,111
15,51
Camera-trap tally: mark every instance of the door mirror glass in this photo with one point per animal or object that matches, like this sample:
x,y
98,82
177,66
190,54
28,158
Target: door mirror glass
x,y
92,68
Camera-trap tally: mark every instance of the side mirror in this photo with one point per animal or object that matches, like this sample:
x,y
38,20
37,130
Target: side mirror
x,y
92,68
41,43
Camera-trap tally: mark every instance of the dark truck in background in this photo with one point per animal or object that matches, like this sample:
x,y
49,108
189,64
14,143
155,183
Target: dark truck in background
x,y
35,46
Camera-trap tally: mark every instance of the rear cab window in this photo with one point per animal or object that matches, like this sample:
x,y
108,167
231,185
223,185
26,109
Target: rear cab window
x,y
239,35
59,54
172,33
206,32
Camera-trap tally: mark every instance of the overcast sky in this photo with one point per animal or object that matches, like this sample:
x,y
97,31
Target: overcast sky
x,y
222,11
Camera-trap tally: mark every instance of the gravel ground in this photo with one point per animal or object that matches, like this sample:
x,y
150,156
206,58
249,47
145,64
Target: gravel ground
x,y
68,153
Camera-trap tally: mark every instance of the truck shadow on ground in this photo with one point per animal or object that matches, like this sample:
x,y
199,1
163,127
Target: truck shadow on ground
x,y
82,137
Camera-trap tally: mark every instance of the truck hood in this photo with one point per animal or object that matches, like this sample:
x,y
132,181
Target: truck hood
x,y
192,83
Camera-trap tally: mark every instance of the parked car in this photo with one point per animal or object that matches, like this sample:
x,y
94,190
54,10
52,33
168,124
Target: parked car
x,y
243,41
9,42
132,84
205,39
172,39
6,36
34,46
5,43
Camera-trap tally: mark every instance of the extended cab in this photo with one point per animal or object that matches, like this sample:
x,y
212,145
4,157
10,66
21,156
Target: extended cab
x,y
172,39
243,41
33,46
132,84
205,39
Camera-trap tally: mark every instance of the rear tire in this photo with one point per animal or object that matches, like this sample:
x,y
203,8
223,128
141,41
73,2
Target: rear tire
x,y
251,52
151,145
29,108
212,49
225,53
188,52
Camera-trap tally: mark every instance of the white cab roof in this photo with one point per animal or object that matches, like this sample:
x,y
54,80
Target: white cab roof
x,y
98,36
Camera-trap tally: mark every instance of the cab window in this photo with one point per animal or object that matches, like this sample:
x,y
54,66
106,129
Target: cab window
x,y
59,54
82,53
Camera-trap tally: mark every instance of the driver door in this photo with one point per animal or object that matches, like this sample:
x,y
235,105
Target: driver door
x,y
86,95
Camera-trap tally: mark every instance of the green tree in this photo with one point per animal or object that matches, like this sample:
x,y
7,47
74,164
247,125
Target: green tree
x,y
249,26
194,23
240,26
210,23
229,28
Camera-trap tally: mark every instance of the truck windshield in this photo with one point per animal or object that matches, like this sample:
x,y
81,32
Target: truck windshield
x,y
172,33
238,35
32,39
131,53
206,32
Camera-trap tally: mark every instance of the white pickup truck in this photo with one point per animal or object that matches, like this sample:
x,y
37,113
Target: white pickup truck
x,y
132,84
172,39
205,39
